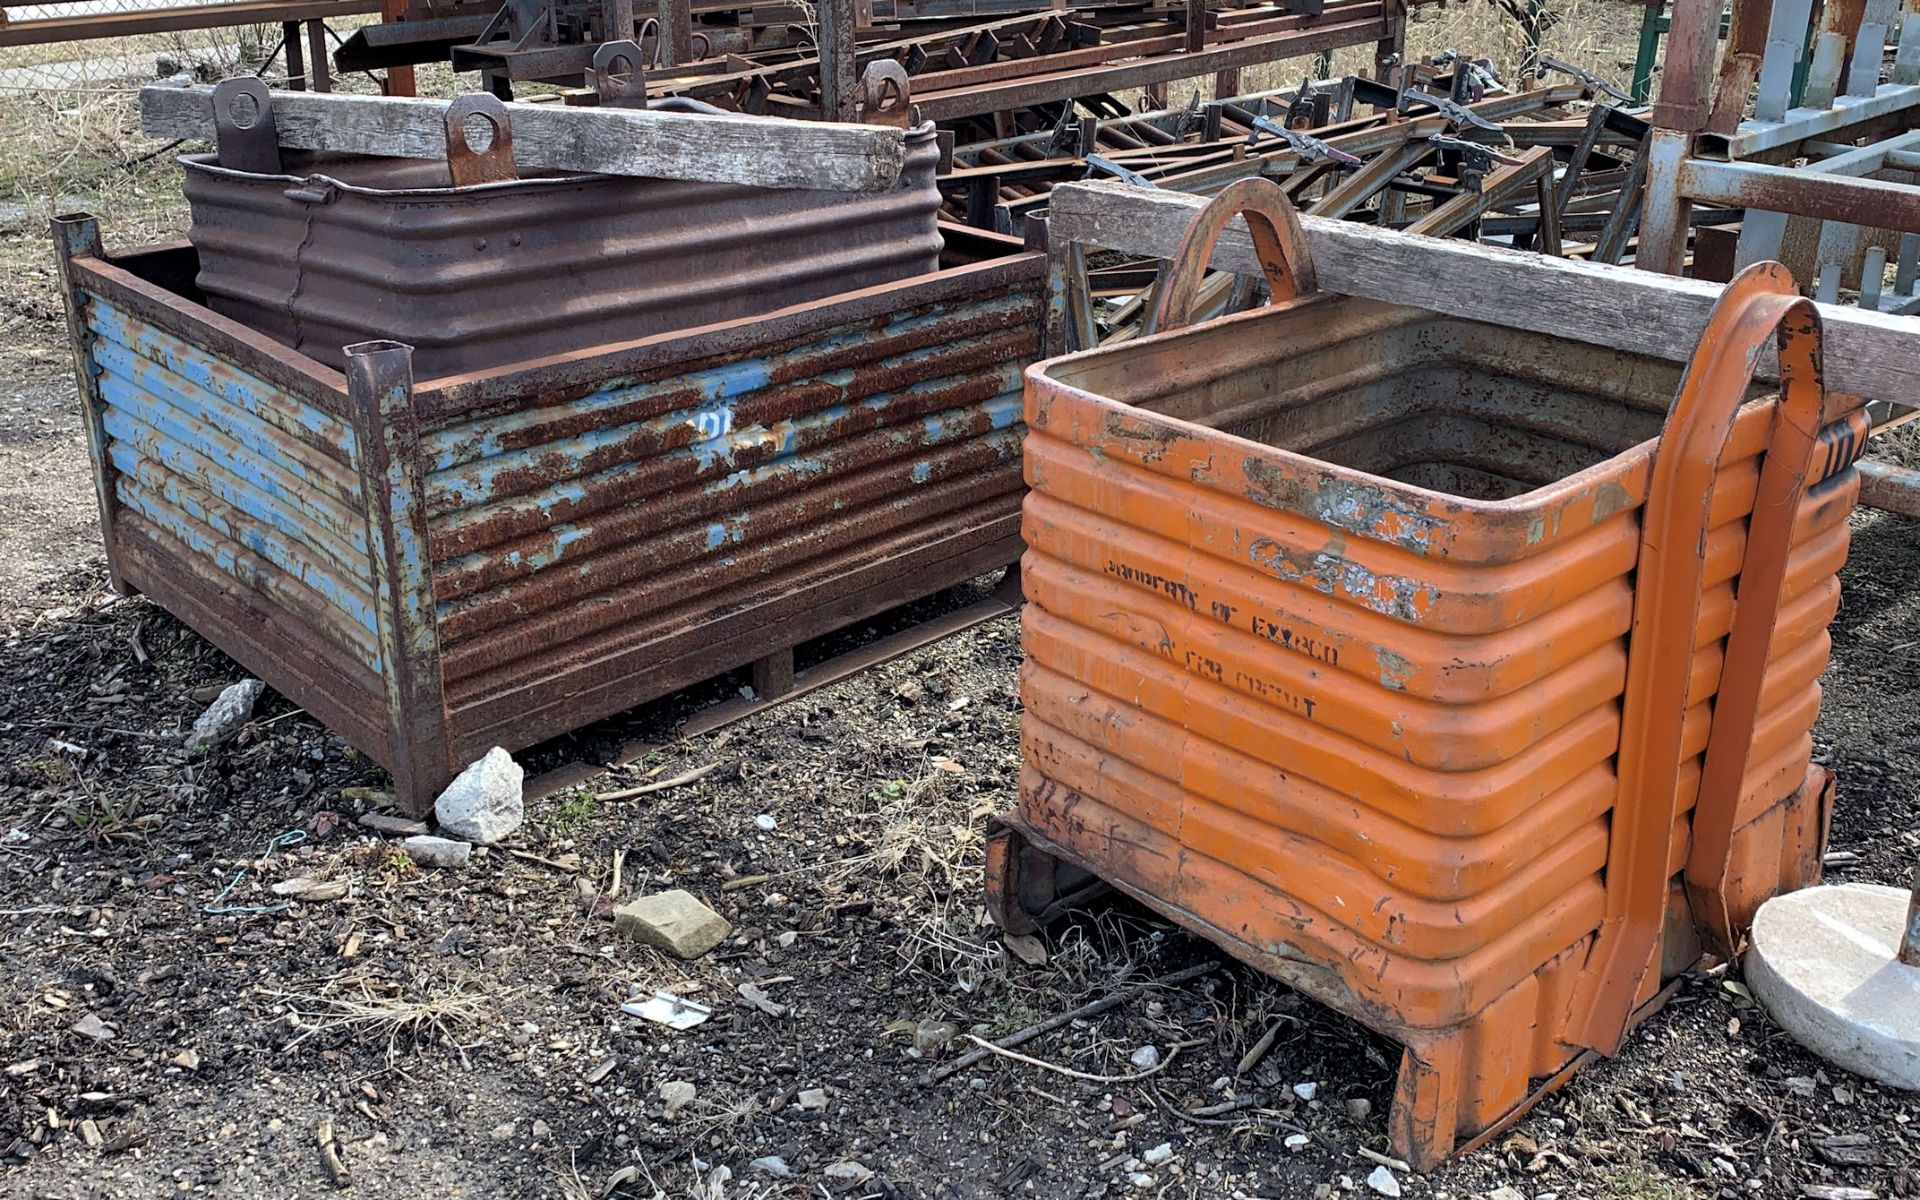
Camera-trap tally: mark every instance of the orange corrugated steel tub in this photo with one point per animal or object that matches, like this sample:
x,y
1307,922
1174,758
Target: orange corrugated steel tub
x,y
1384,648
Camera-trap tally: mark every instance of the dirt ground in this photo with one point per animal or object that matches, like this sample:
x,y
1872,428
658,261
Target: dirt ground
x,y
459,1031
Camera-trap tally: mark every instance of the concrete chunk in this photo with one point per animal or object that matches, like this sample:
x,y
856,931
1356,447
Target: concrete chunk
x,y
674,921
430,851
1823,964
483,803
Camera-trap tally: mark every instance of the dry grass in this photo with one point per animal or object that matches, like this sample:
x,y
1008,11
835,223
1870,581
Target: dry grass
x,y
421,1012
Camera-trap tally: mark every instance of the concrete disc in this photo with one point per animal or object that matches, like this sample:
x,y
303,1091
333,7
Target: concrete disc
x,y
1822,962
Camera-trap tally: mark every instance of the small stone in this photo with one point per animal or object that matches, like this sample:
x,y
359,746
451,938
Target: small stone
x,y
392,824
1306,1091
187,1060
224,717
91,1026
1141,1180
1504,1192
676,1094
483,804
541,1130
852,1172
1159,1154
1382,1181
772,1164
765,823
813,1099
13,217
1297,1142
1359,1108
503,1132
1146,1058
430,851
673,921
931,1036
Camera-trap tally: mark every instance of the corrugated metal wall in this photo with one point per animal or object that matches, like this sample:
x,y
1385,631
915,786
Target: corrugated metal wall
x,y
219,468
567,532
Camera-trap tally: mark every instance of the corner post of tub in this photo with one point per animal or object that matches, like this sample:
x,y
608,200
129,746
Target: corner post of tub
x,y
76,237
1069,317
387,437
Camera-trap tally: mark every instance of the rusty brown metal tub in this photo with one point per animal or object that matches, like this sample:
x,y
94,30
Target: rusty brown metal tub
x,y
436,567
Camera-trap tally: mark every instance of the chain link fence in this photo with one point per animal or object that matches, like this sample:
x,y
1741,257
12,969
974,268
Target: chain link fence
x,y
44,57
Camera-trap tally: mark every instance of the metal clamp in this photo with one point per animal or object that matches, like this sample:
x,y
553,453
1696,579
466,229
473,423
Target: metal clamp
x,y
884,97
619,75
495,163
245,137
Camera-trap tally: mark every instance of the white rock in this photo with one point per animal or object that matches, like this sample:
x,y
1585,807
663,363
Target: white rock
x,y
676,1094
483,803
765,823
224,717
430,851
1306,1091
1359,1108
772,1164
1504,1192
1158,1154
851,1171
1382,1181
1141,1180
1297,1142
1146,1058
1823,963
813,1099
674,921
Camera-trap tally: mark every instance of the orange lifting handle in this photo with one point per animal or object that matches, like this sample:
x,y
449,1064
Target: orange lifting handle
x,y
1761,302
1278,242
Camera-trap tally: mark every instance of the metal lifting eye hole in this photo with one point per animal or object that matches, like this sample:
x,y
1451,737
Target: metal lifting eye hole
x,y
619,69
479,131
887,95
243,110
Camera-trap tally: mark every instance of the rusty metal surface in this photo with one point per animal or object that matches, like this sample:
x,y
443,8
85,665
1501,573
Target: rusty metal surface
x,y
513,553
1330,623
572,535
343,249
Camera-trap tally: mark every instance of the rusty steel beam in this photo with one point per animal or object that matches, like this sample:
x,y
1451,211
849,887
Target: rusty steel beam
x,y
1069,85
1874,203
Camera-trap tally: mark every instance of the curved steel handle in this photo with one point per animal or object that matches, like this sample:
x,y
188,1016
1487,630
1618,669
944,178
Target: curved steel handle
x,y
494,164
1278,242
1761,303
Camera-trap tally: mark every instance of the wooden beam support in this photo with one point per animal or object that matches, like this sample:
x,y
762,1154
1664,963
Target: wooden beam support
x,y
1873,355
757,151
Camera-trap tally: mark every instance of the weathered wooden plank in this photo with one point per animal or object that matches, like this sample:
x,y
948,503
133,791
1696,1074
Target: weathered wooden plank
x,y
759,151
1875,355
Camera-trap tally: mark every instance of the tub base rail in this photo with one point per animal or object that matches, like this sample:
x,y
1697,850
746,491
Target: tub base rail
x,y
1457,1089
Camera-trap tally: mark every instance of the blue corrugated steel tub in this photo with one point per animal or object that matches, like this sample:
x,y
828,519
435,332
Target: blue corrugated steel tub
x,y
436,567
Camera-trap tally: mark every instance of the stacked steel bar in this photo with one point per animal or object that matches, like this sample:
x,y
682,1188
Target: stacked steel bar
x,y
1554,169
1837,93
791,61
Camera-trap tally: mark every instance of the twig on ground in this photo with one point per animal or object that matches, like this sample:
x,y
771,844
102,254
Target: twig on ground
x,y
1052,1023
1193,1118
1385,1160
648,789
1069,1072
